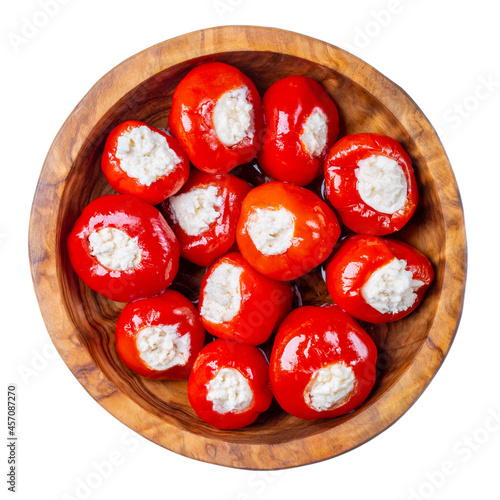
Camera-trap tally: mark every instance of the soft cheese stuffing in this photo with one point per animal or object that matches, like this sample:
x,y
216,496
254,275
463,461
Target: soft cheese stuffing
x,y
391,288
161,347
381,183
229,391
145,155
329,385
314,133
222,294
197,209
271,230
233,117
114,249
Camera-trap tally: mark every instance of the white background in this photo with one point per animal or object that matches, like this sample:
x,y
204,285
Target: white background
x,y
445,54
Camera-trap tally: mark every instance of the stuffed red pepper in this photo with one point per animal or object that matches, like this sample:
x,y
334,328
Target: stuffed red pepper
x,y
229,384
322,364
122,247
238,303
369,180
284,230
160,337
204,214
144,161
302,124
378,279
216,115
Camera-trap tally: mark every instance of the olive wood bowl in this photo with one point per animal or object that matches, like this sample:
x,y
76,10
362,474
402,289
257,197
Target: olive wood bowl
x,y
81,323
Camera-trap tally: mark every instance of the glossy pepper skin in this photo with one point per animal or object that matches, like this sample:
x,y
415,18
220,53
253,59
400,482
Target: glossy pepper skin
x,y
138,219
341,183
191,121
356,260
311,338
264,304
204,248
316,230
168,308
250,362
122,183
287,105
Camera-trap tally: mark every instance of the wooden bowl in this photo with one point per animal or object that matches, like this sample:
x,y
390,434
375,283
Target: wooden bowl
x,y
81,322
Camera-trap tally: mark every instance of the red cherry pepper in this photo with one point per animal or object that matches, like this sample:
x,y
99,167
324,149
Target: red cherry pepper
x,y
341,183
203,248
159,249
288,103
311,239
166,312
356,261
123,183
247,361
191,117
263,302
313,345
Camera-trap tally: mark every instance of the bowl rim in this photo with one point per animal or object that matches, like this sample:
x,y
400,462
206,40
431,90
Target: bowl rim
x,y
44,242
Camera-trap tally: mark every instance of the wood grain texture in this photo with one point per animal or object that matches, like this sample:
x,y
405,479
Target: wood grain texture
x,y
81,323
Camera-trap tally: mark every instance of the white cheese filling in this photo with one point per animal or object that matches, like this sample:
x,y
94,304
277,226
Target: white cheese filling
x,y
229,391
222,294
314,133
391,288
114,249
233,117
197,209
271,230
145,155
161,347
329,385
381,183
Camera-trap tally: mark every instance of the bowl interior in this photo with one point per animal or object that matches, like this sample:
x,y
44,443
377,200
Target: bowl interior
x,y
94,316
